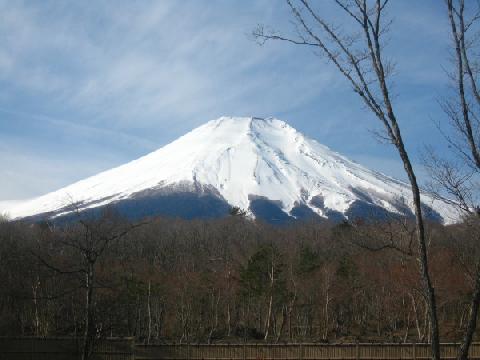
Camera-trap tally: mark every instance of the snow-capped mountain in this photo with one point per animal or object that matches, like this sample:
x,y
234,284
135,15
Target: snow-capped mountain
x,y
261,165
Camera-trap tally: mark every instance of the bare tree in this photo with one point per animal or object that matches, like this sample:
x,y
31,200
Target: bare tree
x,y
458,176
85,243
359,58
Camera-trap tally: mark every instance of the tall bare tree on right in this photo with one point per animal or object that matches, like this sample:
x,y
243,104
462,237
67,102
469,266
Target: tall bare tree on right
x,y
358,56
459,175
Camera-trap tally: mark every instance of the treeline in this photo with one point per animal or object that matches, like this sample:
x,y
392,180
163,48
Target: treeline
x,y
231,279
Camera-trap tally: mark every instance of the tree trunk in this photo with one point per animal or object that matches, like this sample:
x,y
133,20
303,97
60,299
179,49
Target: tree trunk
x,y
36,320
422,247
417,320
89,331
229,319
472,321
325,316
282,324
149,313
270,302
269,315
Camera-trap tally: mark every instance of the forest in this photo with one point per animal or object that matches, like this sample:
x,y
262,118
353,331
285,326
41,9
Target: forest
x,y
233,280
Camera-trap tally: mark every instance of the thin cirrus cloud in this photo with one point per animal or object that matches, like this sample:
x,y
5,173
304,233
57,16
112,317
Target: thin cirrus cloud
x,y
141,61
89,85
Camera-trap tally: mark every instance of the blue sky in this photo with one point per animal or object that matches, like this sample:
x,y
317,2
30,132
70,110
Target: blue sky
x,y
86,86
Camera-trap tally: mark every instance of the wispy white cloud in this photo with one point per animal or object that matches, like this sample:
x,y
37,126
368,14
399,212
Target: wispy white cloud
x,y
131,76
26,174
142,63
82,130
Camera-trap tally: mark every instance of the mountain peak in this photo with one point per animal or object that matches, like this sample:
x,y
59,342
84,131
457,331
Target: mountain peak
x,y
246,121
248,162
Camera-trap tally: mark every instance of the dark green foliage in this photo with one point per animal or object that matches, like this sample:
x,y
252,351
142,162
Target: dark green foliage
x,y
255,276
347,269
309,260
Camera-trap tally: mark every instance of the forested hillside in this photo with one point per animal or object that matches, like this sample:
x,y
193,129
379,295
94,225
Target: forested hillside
x,y
231,280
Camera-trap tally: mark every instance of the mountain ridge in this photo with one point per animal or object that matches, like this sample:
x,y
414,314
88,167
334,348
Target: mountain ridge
x,y
243,161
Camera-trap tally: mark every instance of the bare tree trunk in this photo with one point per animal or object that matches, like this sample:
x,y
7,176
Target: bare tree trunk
x,y
407,329
36,320
464,124
420,230
270,302
269,316
472,321
215,302
89,331
325,316
229,319
282,324
417,320
149,312
291,306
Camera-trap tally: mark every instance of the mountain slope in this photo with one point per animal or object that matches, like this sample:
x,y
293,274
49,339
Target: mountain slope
x,y
251,163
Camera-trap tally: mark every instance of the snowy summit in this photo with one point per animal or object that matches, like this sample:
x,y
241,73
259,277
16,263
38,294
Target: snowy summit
x,y
261,165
